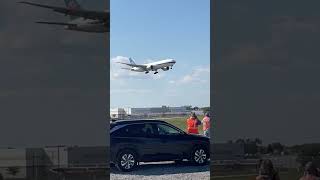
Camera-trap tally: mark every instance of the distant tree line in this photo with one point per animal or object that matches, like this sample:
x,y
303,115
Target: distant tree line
x,y
196,108
304,152
307,152
253,146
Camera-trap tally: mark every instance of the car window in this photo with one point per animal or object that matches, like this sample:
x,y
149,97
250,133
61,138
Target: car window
x,y
147,129
134,130
167,130
112,125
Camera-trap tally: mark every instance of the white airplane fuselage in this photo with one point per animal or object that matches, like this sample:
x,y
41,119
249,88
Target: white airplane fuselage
x,y
154,66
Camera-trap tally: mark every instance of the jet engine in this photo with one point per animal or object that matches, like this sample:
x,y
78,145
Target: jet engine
x,y
165,68
150,67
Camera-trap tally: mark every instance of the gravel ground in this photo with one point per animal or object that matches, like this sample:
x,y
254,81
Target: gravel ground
x,y
164,170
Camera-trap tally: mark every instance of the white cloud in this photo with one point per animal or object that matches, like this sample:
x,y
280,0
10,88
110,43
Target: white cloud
x,y
199,74
120,59
130,91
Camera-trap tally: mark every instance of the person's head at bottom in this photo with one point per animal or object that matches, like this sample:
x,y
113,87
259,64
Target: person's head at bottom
x,y
310,171
267,171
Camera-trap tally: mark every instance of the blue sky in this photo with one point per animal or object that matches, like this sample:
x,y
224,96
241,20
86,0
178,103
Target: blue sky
x,y
152,30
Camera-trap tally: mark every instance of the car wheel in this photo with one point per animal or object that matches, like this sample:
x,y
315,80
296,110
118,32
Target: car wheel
x,y
126,160
199,156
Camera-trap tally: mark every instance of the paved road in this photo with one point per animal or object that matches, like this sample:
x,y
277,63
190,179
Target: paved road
x,y
165,170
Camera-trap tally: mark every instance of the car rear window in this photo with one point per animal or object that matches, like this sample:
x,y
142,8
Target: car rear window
x,y
134,130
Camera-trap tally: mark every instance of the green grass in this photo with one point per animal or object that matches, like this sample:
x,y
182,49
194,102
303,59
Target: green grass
x,y
181,122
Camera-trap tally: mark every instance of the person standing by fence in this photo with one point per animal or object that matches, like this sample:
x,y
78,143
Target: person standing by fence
x,y
267,171
192,124
206,125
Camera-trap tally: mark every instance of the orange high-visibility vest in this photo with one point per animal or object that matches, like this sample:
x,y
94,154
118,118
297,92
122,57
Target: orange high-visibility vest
x,y
206,123
192,126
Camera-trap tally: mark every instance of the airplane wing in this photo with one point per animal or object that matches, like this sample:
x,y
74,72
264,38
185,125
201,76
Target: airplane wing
x,y
126,68
96,15
133,65
56,23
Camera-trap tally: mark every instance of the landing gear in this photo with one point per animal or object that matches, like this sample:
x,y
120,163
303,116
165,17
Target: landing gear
x,y
155,72
171,67
147,72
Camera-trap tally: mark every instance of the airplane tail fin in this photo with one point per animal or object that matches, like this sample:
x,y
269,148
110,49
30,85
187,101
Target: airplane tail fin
x,y
72,5
131,61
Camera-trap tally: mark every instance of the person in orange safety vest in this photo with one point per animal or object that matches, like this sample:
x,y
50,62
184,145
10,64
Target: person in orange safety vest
x,y
192,124
206,125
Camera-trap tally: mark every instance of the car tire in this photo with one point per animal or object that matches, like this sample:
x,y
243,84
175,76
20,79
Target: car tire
x,y
199,156
126,160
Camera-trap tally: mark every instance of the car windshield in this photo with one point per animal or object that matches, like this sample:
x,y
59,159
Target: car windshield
x,y
114,127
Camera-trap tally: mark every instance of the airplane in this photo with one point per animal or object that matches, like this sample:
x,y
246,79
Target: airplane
x,y
80,19
165,65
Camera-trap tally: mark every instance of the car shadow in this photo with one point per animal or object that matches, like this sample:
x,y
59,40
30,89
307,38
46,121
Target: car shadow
x,y
151,169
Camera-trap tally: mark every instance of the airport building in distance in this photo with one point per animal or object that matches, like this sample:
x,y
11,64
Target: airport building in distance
x,y
122,113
